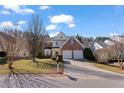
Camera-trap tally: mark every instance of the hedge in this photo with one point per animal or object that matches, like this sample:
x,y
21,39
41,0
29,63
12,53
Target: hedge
x,y
88,54
3,60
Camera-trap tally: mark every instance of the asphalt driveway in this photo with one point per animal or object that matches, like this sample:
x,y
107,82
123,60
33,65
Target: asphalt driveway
x,y
81,69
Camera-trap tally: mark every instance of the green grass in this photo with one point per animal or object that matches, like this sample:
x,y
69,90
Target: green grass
x,y
109,68
27,66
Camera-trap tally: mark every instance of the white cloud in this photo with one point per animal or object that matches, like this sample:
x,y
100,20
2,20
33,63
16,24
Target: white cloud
x,y
11,25
67,19
51,27
6,24
44,7
5,12
21,22
114,34
27,10
71,25
19,9
52,34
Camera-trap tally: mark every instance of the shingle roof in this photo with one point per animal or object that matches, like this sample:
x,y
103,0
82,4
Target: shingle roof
x,y
102,44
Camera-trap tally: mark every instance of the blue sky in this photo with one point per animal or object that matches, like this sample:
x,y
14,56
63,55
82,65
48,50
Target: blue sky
x,y
83,20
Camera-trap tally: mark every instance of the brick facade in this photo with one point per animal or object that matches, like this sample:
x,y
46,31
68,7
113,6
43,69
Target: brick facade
x,y
72,44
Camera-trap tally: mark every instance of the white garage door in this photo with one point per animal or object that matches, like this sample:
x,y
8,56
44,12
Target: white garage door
x,y
78,54
67,54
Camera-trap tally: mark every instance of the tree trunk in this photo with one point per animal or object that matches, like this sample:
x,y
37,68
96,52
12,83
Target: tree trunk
x,y
10,63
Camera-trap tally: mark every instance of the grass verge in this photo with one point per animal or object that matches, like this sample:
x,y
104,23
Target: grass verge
x,y
44,66
109,68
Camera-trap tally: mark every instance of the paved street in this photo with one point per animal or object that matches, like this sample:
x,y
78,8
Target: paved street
x,y
86,76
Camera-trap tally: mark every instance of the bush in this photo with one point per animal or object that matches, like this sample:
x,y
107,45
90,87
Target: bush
x,y
102,56
3,60
88,54
39,55
2,54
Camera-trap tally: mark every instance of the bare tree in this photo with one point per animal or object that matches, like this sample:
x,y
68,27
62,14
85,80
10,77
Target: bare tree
x,y
102,55
12,44
35,36
117,52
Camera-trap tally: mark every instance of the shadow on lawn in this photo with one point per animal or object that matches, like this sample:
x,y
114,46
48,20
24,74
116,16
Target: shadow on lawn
x,y
21,80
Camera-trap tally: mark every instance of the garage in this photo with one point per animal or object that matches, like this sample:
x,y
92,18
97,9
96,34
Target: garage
x,y
78,54
72,49
67,54
72,54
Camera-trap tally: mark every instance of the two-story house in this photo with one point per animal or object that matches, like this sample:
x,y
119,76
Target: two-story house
x,y
57,42
68,47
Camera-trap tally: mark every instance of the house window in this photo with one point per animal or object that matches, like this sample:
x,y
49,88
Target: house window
x,y
61,36
56,43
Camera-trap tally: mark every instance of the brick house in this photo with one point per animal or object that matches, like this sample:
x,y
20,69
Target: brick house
x,y
69,47
72,49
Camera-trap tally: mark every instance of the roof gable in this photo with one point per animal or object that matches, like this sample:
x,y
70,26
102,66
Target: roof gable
x,y
102,44
69,40
60,36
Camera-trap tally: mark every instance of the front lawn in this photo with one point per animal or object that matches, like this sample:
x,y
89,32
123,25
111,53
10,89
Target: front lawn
x,y
27,66
109,68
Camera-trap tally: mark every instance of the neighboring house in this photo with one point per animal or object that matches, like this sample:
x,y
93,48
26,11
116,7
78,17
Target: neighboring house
x,y
118,38
69,47
99,45
109,42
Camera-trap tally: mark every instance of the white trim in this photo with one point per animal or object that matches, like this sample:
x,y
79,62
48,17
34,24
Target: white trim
x,y
69,39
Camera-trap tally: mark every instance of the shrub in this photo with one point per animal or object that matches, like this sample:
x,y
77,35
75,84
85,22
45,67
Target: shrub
x,y
88,54
102,56
39,55
3,60
2,54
